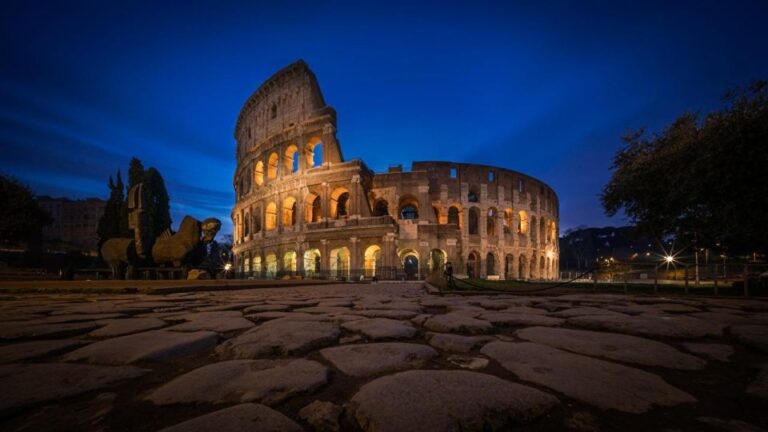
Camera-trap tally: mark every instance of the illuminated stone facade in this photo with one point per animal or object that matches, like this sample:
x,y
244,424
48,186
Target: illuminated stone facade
x,y
302,209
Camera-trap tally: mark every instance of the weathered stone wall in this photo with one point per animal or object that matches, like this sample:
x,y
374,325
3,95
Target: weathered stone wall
x,y
296,202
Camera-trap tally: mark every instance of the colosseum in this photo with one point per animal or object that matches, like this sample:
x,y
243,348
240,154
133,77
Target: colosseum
x,y
301,209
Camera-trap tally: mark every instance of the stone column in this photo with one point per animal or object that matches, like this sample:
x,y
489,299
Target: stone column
x,y
354,259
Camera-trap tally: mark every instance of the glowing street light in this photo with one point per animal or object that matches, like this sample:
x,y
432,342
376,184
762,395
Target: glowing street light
x,y
227,266
669,258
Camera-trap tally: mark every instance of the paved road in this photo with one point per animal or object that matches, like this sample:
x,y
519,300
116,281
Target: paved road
x,y
381,357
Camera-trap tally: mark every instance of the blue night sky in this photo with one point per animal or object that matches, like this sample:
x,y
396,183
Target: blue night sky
x,y
547,90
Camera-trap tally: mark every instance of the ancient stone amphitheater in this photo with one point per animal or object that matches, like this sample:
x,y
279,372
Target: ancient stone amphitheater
x,y
301,209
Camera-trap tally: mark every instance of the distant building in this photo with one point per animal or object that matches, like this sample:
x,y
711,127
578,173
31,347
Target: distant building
x,y
74,221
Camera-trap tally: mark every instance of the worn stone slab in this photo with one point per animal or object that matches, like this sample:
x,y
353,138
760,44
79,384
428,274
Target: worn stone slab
x,y
322,416
446,401
29,350
31,384
266,308
755,336
25,330
455,343
381,328
467,362
613,346
387,313
759,385
120,327
220,322
674,326
324,310
715,351
155,345
584,310
239,418
512,319
600,383
265,381
282,338
732,425
454,322
371,359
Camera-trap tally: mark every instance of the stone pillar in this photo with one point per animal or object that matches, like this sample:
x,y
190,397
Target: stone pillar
x,y
354,197
425,209
354,259
326,199
325,260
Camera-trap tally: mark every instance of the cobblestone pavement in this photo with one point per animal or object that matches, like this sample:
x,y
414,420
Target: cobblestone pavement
x,y
381,357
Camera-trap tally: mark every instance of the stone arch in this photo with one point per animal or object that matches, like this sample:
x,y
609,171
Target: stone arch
x,y
270,216
534,262
311,262
542,231
522,222
313,152
410,260
437,260
438,214
490,222
339,262
340,203
509,220
256,265
490,264
381,207
372,260
454,215
289,212
313,208
257,219
291,159
473,262
271,265
246,225
272,163
408,207
289,262
522,266
473,194
534,231
509,261
474,224
258,173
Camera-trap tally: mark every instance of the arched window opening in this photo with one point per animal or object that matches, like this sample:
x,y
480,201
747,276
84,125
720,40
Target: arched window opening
x,y
381,208
491,222
542,274
271,216
453,216
473,221
372,260
340,203
257,220
410,260
472,265
339,261
271,266
291,159
490,264
272,166
508,220
258,176
289,211
437,214
409,212
311,263
246,225
521,265
314,152
522,222
257,266
532,275
273,111
246,265
542,230
289,262
534,230
312,208
508,260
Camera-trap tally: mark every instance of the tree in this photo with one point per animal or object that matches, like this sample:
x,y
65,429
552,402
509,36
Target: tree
x,y
21,218
114,222
705,182
135,172
158,202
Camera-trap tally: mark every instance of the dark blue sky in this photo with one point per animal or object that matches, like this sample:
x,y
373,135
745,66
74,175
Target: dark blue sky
x,y
546,90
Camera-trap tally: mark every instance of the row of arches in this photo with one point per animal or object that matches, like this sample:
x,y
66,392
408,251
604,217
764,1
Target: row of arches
x,y
525,267
293,160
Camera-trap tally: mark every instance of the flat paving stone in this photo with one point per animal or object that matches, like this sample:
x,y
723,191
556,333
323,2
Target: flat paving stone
x,y
674,326
381,328
239,418
438,401
600,383
220,322
26,330
362,360
322,416
282,338
32,384
512,319
387,313
155,345
30,350
265,381
755,336
613,346
759,385
456,343
266,308
584,311
454,322
715,351
120,327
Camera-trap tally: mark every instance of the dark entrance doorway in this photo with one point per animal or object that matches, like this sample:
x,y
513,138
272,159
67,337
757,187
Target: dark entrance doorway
x,y
411,267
